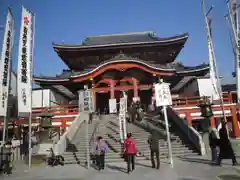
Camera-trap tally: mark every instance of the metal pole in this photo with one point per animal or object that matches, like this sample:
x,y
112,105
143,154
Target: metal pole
x,y
4,129
124,123
87,145
30,141
30,115
168,136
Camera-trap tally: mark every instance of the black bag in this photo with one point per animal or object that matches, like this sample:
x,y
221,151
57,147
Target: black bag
x,y
124,156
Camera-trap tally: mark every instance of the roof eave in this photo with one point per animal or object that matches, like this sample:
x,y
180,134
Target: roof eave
x,y
121,61
171,40
46,79
193,70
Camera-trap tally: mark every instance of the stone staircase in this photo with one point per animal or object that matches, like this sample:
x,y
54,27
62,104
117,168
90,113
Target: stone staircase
x,y
76,151
179,148
108,128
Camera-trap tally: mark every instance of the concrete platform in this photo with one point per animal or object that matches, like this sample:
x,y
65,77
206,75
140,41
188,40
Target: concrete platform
x,y
185,168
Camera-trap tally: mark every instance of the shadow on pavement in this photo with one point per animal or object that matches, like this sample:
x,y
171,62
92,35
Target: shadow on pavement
x,y
113,167
196,160
229,177
143,165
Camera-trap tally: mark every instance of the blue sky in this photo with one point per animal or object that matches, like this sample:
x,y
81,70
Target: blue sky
x,y
69,21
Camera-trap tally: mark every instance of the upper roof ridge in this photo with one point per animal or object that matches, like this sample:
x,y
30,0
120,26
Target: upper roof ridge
x,y
123,34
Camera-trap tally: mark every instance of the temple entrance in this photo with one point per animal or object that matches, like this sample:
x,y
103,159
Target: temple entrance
x,y
145,98
102,102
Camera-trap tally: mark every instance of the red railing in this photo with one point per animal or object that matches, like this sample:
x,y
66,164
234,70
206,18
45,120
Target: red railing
x,y
57,110
193,101
177,102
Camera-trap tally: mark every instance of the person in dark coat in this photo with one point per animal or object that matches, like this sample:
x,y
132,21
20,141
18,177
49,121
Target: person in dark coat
x,y
226,150
153,142
213,142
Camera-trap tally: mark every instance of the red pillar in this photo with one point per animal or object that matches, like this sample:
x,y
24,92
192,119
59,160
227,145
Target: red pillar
x,y
135,88
188,118
212,122
235,124
112,90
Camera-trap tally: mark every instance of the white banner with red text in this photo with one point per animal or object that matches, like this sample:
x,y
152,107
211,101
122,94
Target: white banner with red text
x,y
25,60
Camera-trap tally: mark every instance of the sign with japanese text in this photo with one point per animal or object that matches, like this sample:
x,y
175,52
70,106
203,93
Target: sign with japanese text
x,y
5,66
112,106
163,95
25,60
122,118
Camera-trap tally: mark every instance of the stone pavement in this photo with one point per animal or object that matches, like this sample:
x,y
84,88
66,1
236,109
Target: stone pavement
x,y
194,168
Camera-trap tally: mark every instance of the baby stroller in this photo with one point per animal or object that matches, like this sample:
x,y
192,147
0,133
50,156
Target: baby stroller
x,y
54,160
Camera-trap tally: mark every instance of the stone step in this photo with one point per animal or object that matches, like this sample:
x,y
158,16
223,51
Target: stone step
x,y
140,149
118,158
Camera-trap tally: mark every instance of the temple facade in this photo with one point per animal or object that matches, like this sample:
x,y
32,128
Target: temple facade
x,y
130,62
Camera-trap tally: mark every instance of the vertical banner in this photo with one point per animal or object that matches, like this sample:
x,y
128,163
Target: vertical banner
x,y
122,119
234,15
213,75
5,66
217,94
81,100
25,60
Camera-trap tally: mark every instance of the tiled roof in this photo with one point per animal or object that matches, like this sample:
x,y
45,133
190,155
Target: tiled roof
x,y
123,57
64,91
120,38
178,67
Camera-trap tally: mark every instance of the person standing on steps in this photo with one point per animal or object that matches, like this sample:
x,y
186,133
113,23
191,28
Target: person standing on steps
x,y
213,143
130,152
101,149
153,142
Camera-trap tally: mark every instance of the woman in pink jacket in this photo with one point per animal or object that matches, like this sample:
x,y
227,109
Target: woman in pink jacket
x,y
130,151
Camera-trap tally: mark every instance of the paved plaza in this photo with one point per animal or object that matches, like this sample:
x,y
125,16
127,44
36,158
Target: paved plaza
x,y
194,168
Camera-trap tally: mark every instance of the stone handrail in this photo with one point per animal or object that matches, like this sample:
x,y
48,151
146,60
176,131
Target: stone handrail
x,y
189,132
69,135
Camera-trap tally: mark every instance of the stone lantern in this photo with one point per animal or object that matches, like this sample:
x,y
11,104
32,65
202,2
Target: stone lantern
x,y
206,107
46,119
46,125
206,112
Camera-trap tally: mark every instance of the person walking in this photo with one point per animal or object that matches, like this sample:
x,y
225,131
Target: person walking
x,y
100,151
130,151
226,150
153,142
213,143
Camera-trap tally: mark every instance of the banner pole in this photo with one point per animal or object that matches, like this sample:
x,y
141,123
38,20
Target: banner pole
x,y
87,142
168,136
4,130
30,115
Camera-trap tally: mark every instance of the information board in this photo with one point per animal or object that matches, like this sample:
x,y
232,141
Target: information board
x,y
163,95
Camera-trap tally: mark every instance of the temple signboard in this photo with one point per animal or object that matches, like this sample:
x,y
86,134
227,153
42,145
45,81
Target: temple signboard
x,y
122,118
85,100
163,95
112,106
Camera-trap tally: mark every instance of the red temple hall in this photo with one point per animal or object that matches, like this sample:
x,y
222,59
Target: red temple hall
x,y
130,62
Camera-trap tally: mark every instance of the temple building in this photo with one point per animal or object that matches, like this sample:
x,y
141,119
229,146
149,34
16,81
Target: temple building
x,y
132,62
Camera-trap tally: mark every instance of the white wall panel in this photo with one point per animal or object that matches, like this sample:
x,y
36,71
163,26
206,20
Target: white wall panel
x,y
46,98
205,87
